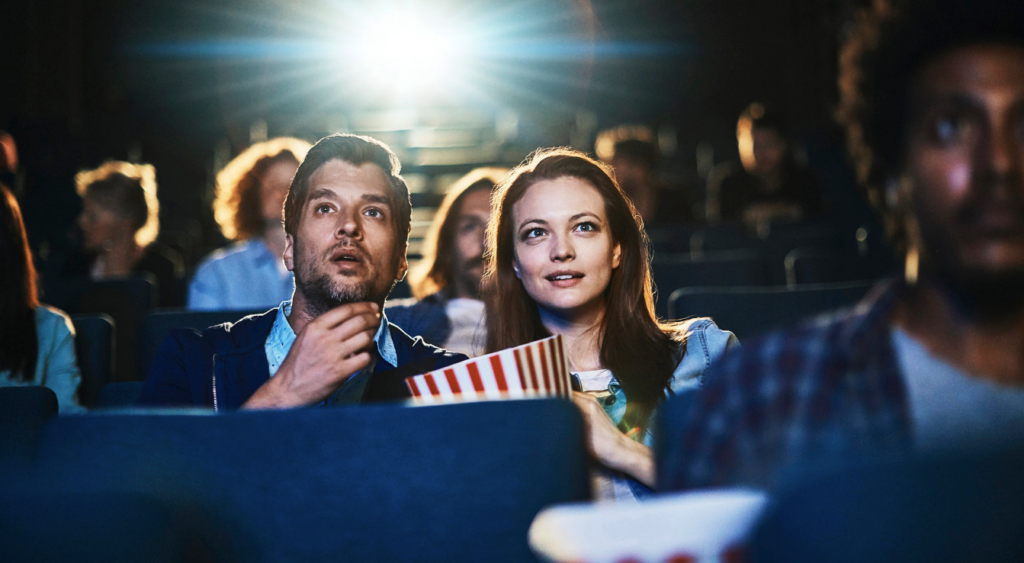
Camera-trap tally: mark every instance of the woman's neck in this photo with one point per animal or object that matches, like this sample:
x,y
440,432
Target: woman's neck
x,y
582,334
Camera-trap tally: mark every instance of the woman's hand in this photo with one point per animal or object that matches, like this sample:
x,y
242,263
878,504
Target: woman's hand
x,y
610,447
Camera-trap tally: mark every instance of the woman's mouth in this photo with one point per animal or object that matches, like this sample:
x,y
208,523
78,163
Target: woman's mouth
x,y
564,278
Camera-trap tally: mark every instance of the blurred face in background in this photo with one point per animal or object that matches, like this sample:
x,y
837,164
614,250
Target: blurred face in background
x,y
564,252
769,150
274,188
102,226
470,231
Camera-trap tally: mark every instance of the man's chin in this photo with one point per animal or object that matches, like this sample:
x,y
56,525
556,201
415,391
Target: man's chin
x,y
992,295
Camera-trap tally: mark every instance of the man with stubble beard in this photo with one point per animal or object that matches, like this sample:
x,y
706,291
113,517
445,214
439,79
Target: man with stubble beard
x,y
446,309
347,218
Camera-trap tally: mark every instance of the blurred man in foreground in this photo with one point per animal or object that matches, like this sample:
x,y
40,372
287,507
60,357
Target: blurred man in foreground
x,y
933,103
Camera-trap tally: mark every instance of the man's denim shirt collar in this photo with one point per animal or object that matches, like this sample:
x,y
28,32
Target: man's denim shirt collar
x,y
281,338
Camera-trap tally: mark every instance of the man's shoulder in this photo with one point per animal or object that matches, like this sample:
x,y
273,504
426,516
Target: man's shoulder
x,y
414,349
245,333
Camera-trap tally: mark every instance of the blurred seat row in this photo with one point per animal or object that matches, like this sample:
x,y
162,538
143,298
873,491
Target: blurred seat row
x,y
443,483
747,285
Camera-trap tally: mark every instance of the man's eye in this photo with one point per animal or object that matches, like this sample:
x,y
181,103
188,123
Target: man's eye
x,y
374,212
952,128
323,208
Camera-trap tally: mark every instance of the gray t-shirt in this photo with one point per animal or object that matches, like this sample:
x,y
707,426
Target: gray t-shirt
x,y
952,409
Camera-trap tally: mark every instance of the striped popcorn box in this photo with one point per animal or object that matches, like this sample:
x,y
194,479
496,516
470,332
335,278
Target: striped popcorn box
x,y
537,369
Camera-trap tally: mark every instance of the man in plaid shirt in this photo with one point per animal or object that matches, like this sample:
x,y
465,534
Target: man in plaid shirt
x,y
933,104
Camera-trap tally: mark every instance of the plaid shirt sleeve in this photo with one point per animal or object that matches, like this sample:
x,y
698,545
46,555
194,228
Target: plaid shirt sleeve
x,y
824,389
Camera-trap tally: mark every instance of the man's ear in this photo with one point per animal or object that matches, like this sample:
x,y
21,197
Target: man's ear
x,y
616,255
403,265
289,253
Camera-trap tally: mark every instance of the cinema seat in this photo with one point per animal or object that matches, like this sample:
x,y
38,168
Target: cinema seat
x,y
749,311
968,508
725,269
376,483
23,413
105,527
94,347
669,425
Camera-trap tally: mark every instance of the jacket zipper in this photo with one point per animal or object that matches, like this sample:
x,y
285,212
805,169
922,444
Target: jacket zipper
x,y
215,409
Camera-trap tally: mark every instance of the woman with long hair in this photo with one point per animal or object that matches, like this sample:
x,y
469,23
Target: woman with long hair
x,y
567,254
37,343
251,190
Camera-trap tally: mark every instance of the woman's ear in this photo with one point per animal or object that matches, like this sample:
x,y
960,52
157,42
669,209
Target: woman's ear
x,y
515,268
616,255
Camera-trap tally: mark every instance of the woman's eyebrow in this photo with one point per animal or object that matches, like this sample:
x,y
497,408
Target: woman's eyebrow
x,y
528,221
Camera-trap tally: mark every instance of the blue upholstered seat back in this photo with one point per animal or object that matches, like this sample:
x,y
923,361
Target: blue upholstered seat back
x,y
452,483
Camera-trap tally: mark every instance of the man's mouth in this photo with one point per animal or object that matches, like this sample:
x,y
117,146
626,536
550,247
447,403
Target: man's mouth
x,y
346,255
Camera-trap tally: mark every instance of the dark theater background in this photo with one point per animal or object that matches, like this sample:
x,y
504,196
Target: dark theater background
x,y
186,85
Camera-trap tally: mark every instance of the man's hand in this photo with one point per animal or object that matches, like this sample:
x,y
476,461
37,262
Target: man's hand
x,y
326,352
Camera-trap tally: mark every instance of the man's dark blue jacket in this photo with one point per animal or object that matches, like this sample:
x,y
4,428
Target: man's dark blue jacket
x,y
222,366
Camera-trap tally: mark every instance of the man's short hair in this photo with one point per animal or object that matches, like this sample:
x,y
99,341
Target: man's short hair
x,y
355,150
764,117
129,189
883,54
633,143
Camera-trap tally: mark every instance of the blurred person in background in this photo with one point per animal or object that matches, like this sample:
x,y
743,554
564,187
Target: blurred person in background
x,y
119,223
37,343
567,254
251,191
769,185
446,309
8,159
933,106
633,155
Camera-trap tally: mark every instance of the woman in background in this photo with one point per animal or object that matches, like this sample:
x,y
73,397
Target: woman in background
x,y
568,256
37,343
119,224
250,198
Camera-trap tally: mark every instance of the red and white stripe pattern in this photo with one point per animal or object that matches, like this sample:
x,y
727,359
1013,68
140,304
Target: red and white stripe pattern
x,y
537,369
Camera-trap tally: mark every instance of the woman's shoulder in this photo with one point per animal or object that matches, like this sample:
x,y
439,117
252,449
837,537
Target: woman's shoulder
x,y
700,342
51,319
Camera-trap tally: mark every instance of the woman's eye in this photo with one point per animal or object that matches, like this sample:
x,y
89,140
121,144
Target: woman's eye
x,y
533,233
586,227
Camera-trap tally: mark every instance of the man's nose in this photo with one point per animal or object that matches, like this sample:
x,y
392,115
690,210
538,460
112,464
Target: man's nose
x,y
1002,156
349,224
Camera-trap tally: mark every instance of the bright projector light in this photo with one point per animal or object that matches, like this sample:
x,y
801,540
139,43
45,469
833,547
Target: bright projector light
x,y
407,55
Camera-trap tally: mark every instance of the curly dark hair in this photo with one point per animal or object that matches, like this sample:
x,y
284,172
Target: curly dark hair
x,y
888,46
